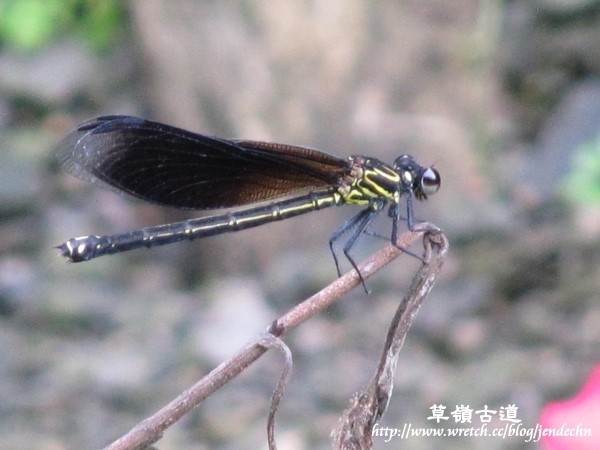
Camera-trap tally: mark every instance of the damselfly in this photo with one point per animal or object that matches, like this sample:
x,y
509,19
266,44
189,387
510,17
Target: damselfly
x,y
174,167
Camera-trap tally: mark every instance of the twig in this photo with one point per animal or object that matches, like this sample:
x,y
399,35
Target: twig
x,y
150,430
369,406
271,341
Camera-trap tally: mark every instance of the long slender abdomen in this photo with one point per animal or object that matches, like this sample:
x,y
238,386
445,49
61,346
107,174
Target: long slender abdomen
x,y
85,248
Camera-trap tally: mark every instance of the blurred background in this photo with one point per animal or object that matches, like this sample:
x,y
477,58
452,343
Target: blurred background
x,y
502,96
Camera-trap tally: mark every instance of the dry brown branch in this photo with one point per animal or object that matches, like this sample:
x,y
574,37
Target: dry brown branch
x,y
271,341
369,405
150,430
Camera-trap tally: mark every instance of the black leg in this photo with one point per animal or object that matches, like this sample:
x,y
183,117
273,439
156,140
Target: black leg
x,y
360,222
348,225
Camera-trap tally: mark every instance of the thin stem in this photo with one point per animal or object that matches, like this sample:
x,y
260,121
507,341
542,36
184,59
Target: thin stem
x,y
151,429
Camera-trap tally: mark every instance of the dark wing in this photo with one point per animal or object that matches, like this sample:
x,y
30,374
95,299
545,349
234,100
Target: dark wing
x,y
175,167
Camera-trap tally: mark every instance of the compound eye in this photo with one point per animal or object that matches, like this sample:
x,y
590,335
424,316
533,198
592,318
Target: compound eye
x,y
430,181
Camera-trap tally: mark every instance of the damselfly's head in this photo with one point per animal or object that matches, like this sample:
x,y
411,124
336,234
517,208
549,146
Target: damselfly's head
x,y
422,181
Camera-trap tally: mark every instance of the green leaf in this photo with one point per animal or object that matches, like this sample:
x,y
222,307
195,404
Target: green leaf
x,y
582,183
29,24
